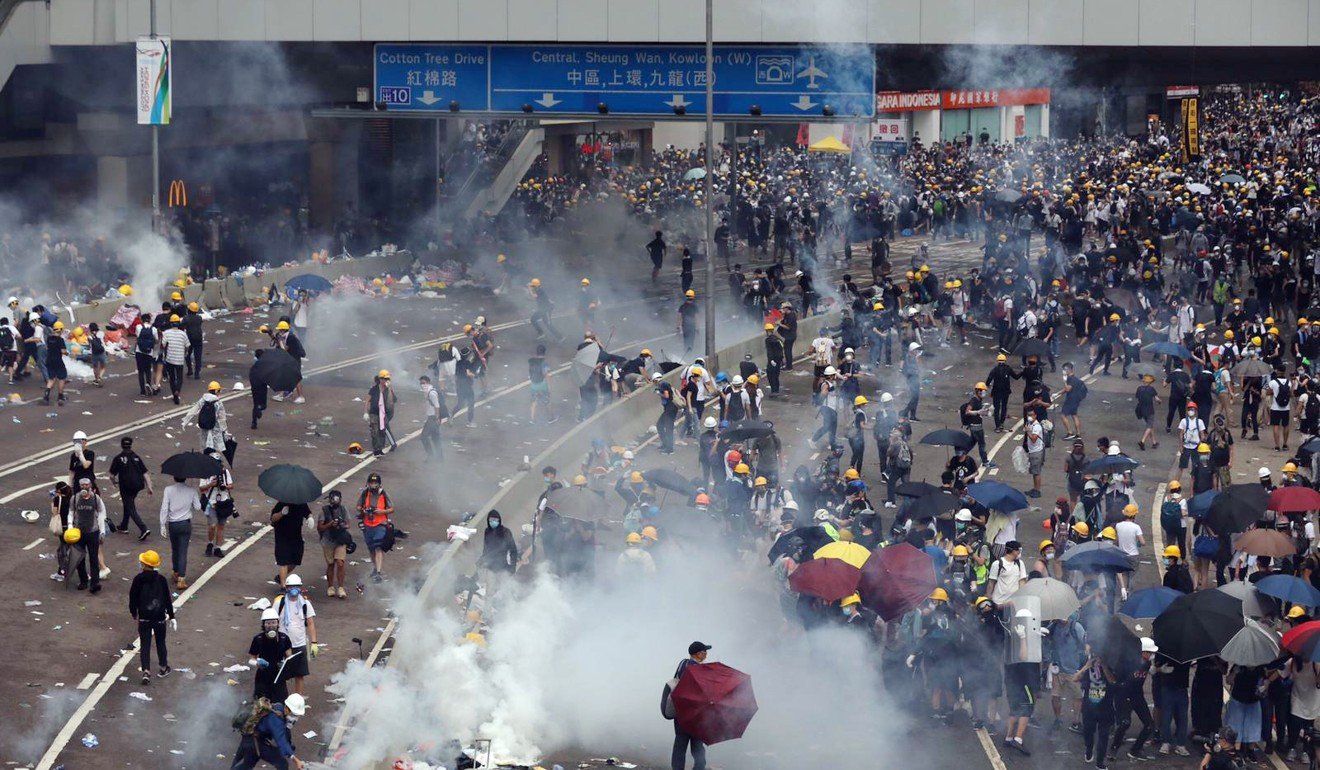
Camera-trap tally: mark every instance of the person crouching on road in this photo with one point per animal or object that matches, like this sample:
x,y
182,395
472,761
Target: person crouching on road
x,y
266,736
150,604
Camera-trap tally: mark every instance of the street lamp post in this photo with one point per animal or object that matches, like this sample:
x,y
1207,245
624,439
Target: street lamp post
x,y
155,153
710,179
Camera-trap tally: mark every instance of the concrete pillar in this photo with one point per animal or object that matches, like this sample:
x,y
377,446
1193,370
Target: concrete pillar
x,y
321,182
645,143
553,147
124,182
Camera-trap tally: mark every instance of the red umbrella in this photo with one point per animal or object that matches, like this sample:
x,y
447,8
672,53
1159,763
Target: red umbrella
x,y
896,579
713,702
1295,499
828,579
1304,641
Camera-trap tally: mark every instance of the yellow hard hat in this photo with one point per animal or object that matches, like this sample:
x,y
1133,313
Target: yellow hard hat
x,y
264,329
175,319
72,535
760,481
149,559
645,352
633,538
467,328
193,306
579,480
1290,467
1269,321
126,290
176,296
878,306
213,386
769,327
1082,528
957,283
500,257
650,533
534,282
939,595
1130,510
911,275
742,468
1256,341
636,477
1228,334
979,386
851,474
1046,544
754,379
282,326
1175,486
383,374
1001,357
1172,551
377,282
690,294
850,600
924,269
1200,327
586,281
1274,331
860,401
697,371
961,550
1296,612
1203,449
1108,533
355,448
1113,316
58,326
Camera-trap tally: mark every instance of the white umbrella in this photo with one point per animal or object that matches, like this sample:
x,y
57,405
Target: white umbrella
x,y
1057,599
1254,645
1198,188
1254,604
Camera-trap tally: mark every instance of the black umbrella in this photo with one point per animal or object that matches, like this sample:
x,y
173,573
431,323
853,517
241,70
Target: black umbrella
x,y
1117,646
1111,464
949,437
668,366
1198,625
745,431
809,539
916,489
231,448
934,505
1237,508
278,369
192,465
671,480
1031,347
290,484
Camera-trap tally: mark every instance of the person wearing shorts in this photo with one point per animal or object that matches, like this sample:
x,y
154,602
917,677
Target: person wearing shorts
x,y
333,526
219,508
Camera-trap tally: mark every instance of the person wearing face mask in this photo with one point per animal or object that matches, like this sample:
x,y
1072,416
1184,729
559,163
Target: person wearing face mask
x,y
1047,565
374,509
1176,574
269,649
1193,431
87,510
499,553
297,620
150,604
266,736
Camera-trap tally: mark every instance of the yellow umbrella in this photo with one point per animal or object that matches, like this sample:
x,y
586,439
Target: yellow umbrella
x,y
848,553
829,144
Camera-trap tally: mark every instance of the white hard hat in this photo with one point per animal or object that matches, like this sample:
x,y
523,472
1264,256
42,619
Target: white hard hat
x,y
790,505
1113,449
963,514
292,580
830,371
737,379
822,515
656,376
12,301
711,422
1148,645
269,614
914,346
628,454
1264,472
295,704
886,398
79,435
846,351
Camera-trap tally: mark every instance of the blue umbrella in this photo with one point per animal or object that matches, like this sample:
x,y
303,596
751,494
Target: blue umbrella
x,y
1097,556
1149,602
1168,349
1290,589
1199,505
1111,464
997,495
312,284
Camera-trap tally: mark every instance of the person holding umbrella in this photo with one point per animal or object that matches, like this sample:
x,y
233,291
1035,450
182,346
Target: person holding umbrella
x,y
380,410
176,509
697,653
286,519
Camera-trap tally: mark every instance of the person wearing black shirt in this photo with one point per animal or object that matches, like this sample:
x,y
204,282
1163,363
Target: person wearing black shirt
x,y
1179,384
151,605
973,420
774,356
1000,379
656,250
1147,398
697,652
192,326
130,476
1100,691
664,426
1251,397
687,320
267,652
1132,698
788,331
685,269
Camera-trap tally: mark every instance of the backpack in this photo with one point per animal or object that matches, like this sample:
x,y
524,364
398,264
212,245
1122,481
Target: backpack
x,y
6,338
1079,388
146,340
1001,309
98,347
1171,515
667,699
904,456
1285,393
249,714
206,416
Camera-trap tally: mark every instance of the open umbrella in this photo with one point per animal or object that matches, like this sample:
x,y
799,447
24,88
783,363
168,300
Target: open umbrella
x,y
1119,463
1304,641
1198,625
1031,347
828,579
1199,505
997,495
584,362
289,484
1237,508
278,369
1184,219
915,489
713,702
1198,188
1008,196
948,437
1168,349
191,465
1265,542
1058,600
312,284
1142,369
1254,645
1116,645
1233,178
1254,603
896,579
695,173
746,431
935,505
844,551
1289,588
1294,499
1097,556
1170,176
1251,367
671,480
1309,447
806,539
1149,602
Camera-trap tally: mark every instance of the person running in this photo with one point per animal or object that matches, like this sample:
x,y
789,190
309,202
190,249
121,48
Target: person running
x,y
129,475
151,605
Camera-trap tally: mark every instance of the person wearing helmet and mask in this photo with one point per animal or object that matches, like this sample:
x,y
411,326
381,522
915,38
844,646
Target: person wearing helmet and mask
x,y
267,653
898,463
1193,431
285,339
82,462
686,323
634,560
972,413
191,323
151,605
1000,379
57,375
1176,574
174,354
380,410
209,415
827,406
774,356
374,509
857,432
664,424
499,554
266,735
332,526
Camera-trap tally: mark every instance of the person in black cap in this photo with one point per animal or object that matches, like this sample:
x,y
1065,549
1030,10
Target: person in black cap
x,y
130,476
678,759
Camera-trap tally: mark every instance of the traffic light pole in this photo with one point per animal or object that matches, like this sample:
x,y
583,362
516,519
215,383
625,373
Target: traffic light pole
x,y
155,154
711,363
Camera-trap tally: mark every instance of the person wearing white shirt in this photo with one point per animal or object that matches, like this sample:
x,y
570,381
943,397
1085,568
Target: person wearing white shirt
x,y
1130,540
1007,574
176,509
1192,429
1034,441
174,341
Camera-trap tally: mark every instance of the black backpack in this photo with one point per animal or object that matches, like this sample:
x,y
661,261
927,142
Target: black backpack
x,y
98,347
146,340
206,417
1285,393
6,338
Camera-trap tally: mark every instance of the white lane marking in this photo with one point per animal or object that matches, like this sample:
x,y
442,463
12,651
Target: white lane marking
x,y
75,721
991,750
1156,531
19,493
34,544
87,681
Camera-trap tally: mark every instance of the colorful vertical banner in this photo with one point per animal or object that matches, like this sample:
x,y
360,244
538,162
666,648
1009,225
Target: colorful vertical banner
x,y
1191,129
155,91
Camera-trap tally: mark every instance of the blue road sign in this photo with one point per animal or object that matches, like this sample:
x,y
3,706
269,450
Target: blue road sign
x,y
646,81
429,77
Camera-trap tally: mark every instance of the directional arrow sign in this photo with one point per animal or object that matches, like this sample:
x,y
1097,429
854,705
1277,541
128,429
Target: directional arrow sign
x,y
428,98
547,100
678,101
803,103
